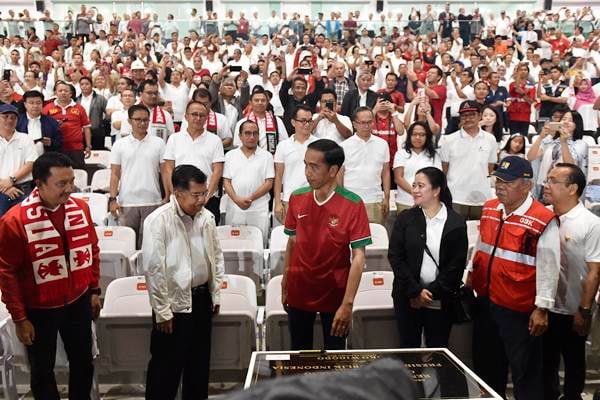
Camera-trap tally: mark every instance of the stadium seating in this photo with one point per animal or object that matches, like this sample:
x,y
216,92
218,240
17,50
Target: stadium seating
x,y
277,245
118,256
81,180
373,313
243,251
377,253
98,204
99,157
101,181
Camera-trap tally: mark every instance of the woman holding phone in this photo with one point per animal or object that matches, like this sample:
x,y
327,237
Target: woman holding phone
x,y
559,142
428,253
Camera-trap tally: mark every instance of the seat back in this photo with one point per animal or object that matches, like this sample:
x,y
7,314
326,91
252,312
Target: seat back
x,y
117,245
243,251
101,180
234,328
98,204
373,320
473,232
277,333
376,254
277,245
125,325
100,157
81,179
593,163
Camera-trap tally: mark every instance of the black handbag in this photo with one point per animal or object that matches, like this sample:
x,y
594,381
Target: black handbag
x,y
459,303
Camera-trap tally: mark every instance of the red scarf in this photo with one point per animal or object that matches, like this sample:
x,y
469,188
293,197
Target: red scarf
x,y
47,247
211,123
270,129
157,114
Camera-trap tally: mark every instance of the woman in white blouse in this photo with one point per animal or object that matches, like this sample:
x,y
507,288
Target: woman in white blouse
x,y
418,152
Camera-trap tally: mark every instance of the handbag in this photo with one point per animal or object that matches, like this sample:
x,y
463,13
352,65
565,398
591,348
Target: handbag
x,y
459,303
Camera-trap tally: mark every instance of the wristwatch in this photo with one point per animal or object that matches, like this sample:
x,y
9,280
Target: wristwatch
x,y
111,199
585,312
13,179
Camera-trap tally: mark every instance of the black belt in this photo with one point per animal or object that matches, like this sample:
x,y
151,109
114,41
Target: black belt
x,y
201,289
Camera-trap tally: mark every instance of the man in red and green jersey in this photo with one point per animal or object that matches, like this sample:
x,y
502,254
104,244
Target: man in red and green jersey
x,y
325,223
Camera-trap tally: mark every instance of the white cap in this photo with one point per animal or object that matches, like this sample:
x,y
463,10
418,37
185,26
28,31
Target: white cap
x,y
137,64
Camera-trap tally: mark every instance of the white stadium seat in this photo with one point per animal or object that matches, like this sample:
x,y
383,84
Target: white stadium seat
x,y
376,254
373,320
98,204
234,328
242,250
81,179
101,181
124,326
118,256
277,336
100,157
277,245
593,163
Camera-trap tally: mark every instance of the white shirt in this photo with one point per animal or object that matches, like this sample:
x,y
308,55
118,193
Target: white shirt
x,y
547,259
434,230
579,244
201,152
469,157
123,117
412,162
199,259
247,174
290,153
140,163
86,101
327,130
363,166
262,131
362,102
34,130
223,127
178,96
15,153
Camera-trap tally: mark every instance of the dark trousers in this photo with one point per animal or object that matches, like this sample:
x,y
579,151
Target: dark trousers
x,y
73,322
561,340
77,157
501,339
301,325
453,124
213,205
6,202
185,353
412,322
521,127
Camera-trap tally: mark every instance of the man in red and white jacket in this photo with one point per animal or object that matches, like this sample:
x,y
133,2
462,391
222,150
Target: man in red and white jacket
x,y
49,272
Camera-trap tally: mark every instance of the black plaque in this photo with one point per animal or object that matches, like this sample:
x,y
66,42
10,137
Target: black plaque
x,y
437,373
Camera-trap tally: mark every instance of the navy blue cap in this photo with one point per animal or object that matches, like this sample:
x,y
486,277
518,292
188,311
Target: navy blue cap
x,y
512,168
468,106
8,108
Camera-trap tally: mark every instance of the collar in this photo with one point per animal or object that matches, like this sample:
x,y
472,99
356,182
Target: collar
x,y
71,104
463,133
573,212
38,118
179,211
521,210
441,215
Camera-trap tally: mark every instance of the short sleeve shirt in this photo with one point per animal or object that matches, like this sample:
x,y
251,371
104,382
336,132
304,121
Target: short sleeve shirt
x,y
71,119
325,232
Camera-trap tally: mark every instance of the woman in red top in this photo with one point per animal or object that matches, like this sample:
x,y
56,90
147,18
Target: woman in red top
x,y
522,96
387,126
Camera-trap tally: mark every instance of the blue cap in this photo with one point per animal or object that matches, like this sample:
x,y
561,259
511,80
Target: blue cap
x,y
8,108
512,168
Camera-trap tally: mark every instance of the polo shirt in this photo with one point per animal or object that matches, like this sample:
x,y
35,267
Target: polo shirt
x,y
14,153
468,158
178,96
325,231
201,152
327,130
223,126
437,105
579,232
71,119
291,153
140,163
412,162
363,166
247,174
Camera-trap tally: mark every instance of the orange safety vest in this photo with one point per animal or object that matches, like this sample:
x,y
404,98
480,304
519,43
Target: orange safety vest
x,y
505,259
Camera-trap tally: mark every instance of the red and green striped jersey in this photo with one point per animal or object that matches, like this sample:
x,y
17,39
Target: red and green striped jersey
x,y
325,232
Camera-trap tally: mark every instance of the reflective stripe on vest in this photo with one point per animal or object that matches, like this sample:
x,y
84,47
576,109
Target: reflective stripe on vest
x,y
507,254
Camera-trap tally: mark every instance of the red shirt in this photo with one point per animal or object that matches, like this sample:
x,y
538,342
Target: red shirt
x,y
71,120
437,105
519,109
561,45
17,281
49,45
385,129
318,271
397,97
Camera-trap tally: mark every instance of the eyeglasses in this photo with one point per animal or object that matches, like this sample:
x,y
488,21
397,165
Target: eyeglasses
x,y
198,195
197,115
303,121
140,120
151,93
364,122
552,181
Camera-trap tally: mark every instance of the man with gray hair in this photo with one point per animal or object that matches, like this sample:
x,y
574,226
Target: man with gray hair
x,y
360,97
340,83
